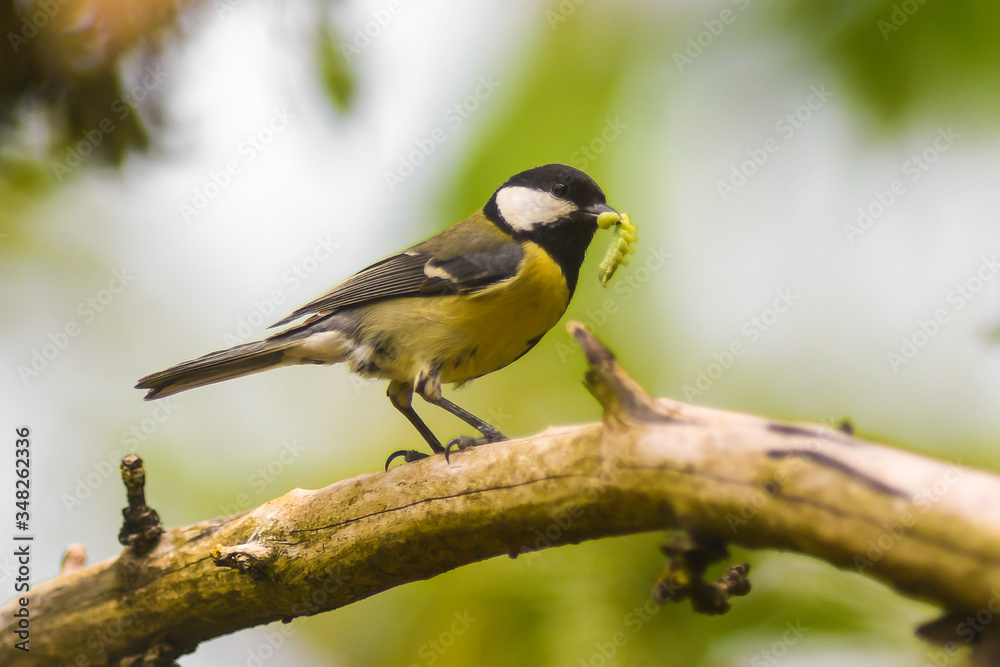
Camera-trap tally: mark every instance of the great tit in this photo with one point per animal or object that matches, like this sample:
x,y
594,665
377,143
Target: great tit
x,y
464,303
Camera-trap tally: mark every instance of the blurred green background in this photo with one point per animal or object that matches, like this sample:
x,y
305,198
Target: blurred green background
x,y
175,176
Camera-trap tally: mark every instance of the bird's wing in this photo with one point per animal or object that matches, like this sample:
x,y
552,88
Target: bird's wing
x,y
431,268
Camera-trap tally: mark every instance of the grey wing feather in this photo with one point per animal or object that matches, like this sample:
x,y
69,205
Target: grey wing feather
x,y
488,259
475,269
394,276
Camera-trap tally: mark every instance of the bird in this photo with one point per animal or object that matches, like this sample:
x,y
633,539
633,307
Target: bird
x,y
466,302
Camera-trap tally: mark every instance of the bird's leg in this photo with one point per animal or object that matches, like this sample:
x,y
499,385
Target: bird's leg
x,y
490,433
429,389
401,396
428,385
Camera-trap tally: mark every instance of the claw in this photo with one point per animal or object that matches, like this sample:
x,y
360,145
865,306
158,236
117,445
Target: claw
x,y
409,456
467,441
459,443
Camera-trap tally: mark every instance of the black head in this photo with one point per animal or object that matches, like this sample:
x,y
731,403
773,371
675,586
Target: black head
x,y
556,207
554,194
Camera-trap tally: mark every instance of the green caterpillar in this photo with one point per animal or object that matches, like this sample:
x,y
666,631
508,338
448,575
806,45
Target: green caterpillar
x,y
622,246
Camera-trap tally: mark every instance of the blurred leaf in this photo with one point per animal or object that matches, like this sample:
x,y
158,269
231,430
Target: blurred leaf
x,y
21,177
559,103
64,57
338,80
908,57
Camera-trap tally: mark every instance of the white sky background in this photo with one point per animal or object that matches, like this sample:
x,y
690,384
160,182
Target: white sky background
x,y
322,178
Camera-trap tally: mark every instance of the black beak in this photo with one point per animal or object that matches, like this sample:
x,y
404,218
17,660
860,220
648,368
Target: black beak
x,y
604,215
597,209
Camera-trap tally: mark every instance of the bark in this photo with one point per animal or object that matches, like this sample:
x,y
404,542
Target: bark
x,y
913,522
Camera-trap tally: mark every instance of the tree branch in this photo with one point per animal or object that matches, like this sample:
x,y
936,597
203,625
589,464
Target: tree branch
x,y
917,524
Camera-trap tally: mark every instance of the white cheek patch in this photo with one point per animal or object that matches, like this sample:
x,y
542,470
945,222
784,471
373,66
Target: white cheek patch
x,y
524,208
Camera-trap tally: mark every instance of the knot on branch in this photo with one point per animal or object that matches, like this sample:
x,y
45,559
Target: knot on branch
x,y
73,559
162,654
623,399
955,629
684,576
141,530
251,558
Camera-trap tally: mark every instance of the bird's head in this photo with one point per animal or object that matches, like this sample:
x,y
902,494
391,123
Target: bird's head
x,y
551,195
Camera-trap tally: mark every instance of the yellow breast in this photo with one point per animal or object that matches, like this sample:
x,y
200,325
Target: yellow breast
x,y
464,336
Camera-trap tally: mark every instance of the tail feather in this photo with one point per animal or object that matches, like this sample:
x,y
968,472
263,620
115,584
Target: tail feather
x,y
218,366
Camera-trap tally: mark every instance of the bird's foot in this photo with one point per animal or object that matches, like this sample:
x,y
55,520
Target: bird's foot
x,y
467,441
408,455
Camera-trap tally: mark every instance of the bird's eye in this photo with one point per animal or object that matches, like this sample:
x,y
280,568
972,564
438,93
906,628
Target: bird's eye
x,y
559,189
